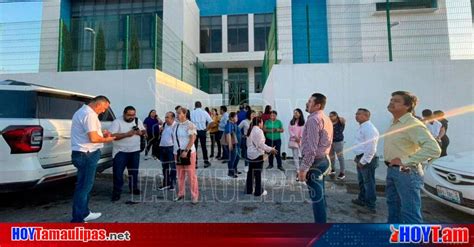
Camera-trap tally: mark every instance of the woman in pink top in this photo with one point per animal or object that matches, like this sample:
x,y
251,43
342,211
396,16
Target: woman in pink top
x,y
296,132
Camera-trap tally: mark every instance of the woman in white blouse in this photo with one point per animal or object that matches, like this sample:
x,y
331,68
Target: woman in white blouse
x,y
184,135
256,148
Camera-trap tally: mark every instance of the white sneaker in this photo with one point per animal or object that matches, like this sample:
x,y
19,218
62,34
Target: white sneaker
x,y
92,216
264,193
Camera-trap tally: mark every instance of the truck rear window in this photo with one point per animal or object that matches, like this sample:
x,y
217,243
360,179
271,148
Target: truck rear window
x,y
17,104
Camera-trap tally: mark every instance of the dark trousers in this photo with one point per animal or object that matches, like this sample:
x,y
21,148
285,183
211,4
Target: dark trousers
x,y
366,178
315,182
218,136
149,143
233,160
277,145
123,160
86,164
444,146
255,173
215,142
169,166
243,150
201,137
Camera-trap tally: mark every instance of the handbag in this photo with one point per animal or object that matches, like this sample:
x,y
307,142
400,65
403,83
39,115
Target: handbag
x,y
233,138
142,138
180,160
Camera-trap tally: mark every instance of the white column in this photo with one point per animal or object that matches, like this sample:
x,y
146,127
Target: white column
x,y
49,36
251,33
225,82
285,32
251,80
224,34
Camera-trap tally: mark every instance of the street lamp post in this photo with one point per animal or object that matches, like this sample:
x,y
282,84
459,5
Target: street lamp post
x,y
88,29
389,30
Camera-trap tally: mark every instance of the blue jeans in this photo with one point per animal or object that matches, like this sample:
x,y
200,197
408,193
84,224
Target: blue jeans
x,y
131,161
86,164
315,182
169,166
233,161
403,196
366,178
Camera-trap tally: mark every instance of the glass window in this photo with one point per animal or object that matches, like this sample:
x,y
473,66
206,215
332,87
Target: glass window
x,y
258,80
407,4
237,33
111,16
51,106
211,34
107,116
17,104
215,81
238,86
262,24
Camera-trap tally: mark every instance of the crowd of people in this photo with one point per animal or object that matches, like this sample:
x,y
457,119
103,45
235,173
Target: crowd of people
x,y
315,143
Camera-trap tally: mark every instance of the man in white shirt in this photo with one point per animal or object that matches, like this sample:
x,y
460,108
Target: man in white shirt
x,y
126,152
167,154
434,126
201,119
366,159
87,139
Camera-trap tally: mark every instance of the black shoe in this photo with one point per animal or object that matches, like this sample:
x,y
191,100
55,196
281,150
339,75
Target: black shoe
x,y
233,175
207,164
212,156
341,176
358,202
224,161
115,197
269,167
136,192
239,172
281,168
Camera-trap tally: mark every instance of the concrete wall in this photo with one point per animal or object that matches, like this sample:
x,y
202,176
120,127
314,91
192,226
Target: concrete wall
x,y
145,89
181,24
442,85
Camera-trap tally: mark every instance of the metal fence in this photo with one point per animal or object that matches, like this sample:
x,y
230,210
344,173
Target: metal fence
x,y
271,51
108,43
382,31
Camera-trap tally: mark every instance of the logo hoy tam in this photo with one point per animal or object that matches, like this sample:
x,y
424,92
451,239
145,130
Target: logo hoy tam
x,y
428,234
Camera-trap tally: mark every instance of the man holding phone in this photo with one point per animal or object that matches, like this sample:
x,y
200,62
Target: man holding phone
x,y
126,151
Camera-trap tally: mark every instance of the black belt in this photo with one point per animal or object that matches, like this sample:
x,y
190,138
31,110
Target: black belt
x,y
390,165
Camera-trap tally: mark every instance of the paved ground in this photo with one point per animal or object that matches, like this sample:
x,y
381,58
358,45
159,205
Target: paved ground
x,y
222,200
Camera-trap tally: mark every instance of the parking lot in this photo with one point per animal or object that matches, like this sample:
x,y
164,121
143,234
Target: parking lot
x,y
221,200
